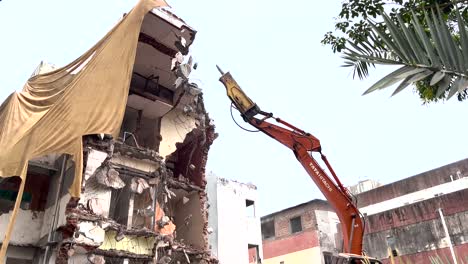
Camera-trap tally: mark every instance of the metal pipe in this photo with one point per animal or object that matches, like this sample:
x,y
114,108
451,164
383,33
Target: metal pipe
x,y
442,219
154,205
56,209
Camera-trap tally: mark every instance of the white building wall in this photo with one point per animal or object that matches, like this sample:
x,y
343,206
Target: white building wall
x,y
233,229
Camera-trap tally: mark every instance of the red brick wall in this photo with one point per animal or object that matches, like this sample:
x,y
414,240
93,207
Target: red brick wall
x,y
307,213
290,244
284,242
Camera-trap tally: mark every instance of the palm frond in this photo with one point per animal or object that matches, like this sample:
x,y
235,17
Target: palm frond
x,y
431,55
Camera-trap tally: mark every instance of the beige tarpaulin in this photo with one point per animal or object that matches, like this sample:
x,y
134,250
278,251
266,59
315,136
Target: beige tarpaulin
x,y
54,110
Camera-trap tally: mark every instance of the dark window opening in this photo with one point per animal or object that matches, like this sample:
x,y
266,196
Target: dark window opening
x,y
295,224
250,208
254,254
268,229
34,196
150,88
140,131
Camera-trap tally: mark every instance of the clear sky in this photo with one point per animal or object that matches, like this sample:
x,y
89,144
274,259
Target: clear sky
x,y
273,50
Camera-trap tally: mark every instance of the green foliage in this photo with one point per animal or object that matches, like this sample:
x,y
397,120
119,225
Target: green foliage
x,y
358,20
352,23
432,50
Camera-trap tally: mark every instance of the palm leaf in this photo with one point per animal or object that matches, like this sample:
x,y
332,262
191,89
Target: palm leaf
x,y
389,80
433,56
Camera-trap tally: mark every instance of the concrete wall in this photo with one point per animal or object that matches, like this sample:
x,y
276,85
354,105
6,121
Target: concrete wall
x,y
189,221
232,227
417,227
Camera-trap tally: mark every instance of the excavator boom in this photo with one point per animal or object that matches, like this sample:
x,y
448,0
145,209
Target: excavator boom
x,y
303,145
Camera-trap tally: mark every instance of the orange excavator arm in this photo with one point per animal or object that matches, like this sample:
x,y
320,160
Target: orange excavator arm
x,y
303,145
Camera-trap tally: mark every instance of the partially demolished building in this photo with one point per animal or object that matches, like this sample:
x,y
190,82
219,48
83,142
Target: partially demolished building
x,y
143,196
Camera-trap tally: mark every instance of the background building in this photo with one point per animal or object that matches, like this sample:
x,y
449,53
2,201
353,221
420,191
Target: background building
x,y
408,216
235,226
299,234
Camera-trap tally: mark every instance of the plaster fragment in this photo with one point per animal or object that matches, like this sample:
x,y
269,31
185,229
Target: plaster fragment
x,y
138,185
109,177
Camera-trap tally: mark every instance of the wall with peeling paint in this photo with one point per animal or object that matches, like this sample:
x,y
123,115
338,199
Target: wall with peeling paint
x,y
233,228
407,212
417,228
27,229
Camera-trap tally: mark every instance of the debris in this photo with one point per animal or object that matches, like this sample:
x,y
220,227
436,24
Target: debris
x,y
194,90
188,109
192,167
138,185
146,212
185,200
186,256
165,260
187,219
89,233
170,193
209,230
164,221
95,259
161,244
95,206
109,177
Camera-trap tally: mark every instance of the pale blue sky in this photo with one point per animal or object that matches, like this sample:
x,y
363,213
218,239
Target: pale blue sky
x,y
273,50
